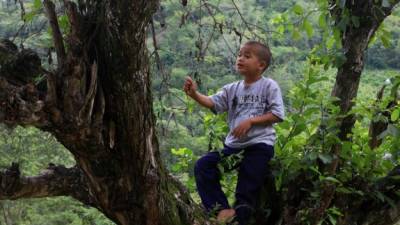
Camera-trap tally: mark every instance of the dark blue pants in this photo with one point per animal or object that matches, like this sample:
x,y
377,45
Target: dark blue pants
x,y
253,169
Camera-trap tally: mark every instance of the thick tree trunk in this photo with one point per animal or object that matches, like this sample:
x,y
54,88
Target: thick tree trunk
x,y
355,40
112,135
98,104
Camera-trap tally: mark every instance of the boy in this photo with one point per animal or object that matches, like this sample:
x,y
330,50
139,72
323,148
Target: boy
x,y
254,104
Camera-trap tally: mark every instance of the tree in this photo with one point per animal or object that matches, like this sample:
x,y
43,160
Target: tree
x,y
364,17
98,104
356,23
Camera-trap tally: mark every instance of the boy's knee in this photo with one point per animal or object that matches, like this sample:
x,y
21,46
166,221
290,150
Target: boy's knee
x,y
203,163
197,167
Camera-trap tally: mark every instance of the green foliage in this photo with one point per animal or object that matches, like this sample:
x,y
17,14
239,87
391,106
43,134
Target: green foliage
x,y
216,128
34,10
34,150
18,145
183,167
309,129
51,211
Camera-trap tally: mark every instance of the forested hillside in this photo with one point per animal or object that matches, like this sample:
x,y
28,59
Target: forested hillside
x,y
201,39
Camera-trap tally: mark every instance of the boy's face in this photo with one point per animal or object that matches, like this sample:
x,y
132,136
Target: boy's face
x,y
247,62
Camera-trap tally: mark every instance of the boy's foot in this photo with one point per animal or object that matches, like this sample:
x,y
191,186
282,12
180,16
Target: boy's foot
x,y
225,215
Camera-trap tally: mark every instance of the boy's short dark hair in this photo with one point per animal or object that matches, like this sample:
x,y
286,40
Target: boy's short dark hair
x,y
263,52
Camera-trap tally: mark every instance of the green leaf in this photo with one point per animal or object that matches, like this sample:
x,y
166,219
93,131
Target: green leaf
x,y
285,125
180,151
373,40
220,18
337,35
330,42
37,4
395,114
322,21
332,220
296,34
359,192
334,211
280,29
385,41
298,9
314,79
28,17
332,179
64,22
315,169
176,167
299,128
344,190
315,194
308,27
380,196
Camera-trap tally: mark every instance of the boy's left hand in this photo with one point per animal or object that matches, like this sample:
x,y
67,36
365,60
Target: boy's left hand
x,y
241,130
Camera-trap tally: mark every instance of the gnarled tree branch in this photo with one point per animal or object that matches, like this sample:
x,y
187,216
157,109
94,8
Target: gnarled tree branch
x,y
21,105
20,100
54,181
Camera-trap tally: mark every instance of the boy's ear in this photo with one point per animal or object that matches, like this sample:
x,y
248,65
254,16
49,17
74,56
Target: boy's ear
x,y
264,65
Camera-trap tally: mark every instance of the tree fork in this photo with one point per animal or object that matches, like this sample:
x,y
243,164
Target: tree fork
x,y
98,105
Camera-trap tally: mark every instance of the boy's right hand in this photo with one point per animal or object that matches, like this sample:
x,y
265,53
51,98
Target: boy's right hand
x,y
190,87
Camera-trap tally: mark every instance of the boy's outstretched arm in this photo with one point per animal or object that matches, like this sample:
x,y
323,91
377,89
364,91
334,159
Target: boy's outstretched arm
x,y
190,89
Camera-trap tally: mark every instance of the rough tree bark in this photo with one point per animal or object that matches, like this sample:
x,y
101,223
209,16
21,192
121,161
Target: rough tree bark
x,y
98,104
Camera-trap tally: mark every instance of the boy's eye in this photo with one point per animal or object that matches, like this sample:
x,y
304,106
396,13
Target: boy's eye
x,y
245,55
